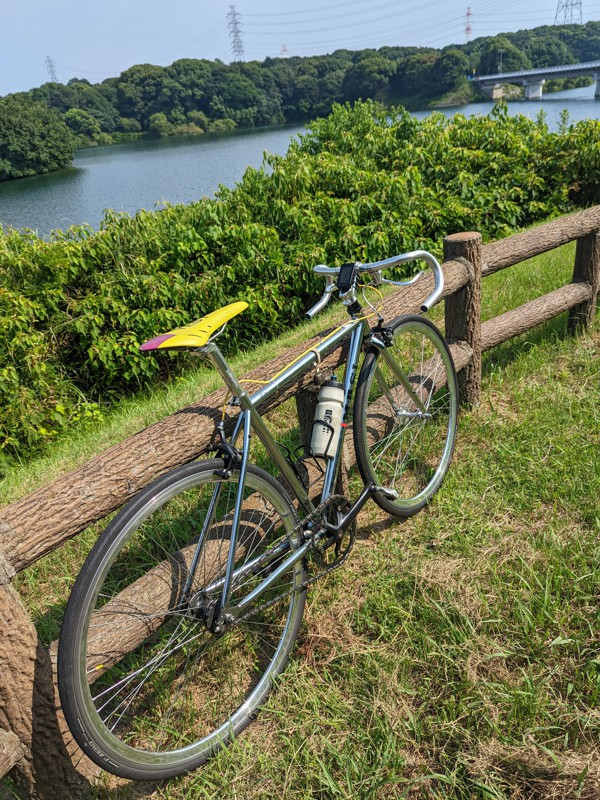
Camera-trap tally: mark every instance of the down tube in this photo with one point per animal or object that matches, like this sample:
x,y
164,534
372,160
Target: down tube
x,y
354,351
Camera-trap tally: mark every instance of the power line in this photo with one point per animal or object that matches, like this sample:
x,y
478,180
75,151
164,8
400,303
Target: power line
x,y
316,19
206,39
313,11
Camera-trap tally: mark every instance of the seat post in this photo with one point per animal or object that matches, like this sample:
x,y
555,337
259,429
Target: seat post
x,y
216,357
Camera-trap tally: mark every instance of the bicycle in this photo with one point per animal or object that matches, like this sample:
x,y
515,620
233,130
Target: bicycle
x,y
188,605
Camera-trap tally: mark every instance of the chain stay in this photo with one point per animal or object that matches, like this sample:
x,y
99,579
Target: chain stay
x,y
300,529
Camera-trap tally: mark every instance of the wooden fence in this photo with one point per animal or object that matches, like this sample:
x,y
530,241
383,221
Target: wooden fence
x,y
35,747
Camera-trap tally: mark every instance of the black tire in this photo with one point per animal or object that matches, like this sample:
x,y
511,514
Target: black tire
x,y
397,446
147,690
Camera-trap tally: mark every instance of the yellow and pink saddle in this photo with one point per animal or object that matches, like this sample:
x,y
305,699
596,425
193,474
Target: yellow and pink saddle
x,y
196,334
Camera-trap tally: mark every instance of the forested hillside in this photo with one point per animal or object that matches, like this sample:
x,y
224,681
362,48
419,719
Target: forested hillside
x,y
192,96
363,183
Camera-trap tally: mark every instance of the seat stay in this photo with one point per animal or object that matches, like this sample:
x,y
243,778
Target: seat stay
x,y
237,511
208,521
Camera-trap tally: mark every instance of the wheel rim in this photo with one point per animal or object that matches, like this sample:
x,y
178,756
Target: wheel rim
x,y
405,449
179,691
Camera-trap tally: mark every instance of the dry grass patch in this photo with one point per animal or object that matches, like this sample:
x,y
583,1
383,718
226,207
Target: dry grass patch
x,y
533,772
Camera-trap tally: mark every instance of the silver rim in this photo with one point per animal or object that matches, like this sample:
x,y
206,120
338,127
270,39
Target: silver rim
x,y
408,449
179,692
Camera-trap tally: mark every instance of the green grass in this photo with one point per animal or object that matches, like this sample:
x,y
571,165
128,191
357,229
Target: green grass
x,y
455,655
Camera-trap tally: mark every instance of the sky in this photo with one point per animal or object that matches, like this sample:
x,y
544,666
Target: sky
x,y
78,38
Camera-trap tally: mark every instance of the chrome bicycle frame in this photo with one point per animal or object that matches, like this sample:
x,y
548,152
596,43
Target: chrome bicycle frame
x,y
250,420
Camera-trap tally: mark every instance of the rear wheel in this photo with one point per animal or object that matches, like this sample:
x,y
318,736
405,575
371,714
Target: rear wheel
x,y
148,688
405,415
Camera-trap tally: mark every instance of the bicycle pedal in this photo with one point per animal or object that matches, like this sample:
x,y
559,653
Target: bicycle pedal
x,y
389,494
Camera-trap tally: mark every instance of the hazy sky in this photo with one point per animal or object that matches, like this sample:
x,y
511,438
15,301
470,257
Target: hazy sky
x,y
101,39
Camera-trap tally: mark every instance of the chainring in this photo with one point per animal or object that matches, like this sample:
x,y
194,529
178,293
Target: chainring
x,y
331,552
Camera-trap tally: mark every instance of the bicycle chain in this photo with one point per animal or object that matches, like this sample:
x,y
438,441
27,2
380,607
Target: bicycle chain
x,y
299,528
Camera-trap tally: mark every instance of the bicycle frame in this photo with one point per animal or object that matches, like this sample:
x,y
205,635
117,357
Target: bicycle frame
x,y
355,329
251,420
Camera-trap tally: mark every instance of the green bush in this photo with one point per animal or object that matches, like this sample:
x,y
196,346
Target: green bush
x,y
33,138
361,184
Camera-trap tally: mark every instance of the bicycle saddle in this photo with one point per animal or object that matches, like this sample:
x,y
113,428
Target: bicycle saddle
x,y
197,333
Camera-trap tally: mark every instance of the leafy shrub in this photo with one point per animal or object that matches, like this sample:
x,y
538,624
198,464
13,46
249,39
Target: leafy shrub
x,y
360,184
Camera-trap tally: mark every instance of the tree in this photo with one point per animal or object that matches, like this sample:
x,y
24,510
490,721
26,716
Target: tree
x,y
191,83
128,125
145,90
159,125
82,123
451,69
547,51
499,55
368,78
413,76
33,138
198,118
98,102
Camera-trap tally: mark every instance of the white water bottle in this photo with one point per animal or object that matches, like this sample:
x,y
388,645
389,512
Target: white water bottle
x,y
328,419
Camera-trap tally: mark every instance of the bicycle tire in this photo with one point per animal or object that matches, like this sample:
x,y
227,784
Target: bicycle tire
x,y
147,690
396,445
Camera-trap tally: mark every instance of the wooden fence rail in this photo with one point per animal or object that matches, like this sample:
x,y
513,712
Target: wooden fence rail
x,y
35,748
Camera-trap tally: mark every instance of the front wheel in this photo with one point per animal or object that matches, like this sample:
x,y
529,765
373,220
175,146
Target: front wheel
x,y
149,685
405,415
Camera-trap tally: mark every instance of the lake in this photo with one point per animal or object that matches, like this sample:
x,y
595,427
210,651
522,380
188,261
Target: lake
x,y
146,174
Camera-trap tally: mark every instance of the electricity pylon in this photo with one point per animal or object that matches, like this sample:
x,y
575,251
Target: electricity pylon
x,y
51,67
568,12
235,31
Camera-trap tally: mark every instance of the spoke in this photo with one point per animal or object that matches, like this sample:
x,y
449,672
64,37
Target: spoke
x,y
159,657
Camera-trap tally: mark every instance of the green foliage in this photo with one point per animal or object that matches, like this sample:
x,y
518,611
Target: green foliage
x,y
82,123
159,125
499,55
33,138
362,183
129,125
368,78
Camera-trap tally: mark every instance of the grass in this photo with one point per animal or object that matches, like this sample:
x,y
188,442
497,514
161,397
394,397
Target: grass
x,y
455,655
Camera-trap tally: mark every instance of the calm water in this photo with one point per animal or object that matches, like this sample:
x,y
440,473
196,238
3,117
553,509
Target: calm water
x,y
180,170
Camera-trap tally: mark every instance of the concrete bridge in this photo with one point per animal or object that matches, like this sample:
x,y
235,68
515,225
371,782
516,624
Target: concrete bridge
x,y
534,79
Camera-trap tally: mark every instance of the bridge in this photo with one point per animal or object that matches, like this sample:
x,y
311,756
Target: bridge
x,y
534,79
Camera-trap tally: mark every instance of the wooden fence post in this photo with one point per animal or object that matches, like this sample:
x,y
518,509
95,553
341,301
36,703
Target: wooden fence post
x,y
306,403
463,311
42,767
587,270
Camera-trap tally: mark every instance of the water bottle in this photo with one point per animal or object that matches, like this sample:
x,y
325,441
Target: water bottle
x,y
328,419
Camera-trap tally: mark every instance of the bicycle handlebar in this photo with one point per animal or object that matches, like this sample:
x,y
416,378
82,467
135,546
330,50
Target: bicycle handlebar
x,y
374,268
